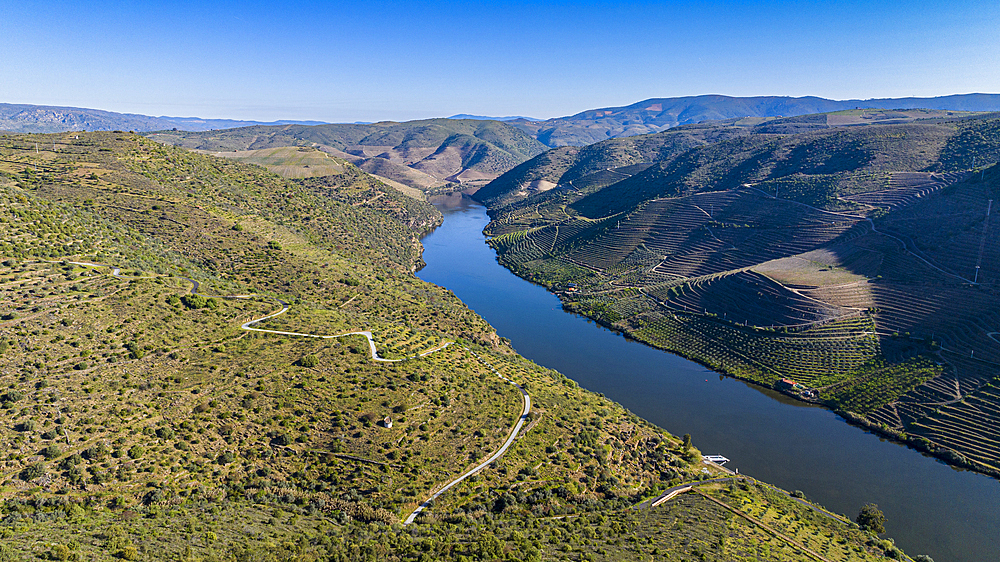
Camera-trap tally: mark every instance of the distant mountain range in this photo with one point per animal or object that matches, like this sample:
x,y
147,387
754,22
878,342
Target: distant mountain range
x,y
656,114
587,127
467,149
486,118
22,118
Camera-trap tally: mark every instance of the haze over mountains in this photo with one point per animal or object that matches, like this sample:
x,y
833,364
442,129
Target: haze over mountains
x,y
656,114
24,118
586,127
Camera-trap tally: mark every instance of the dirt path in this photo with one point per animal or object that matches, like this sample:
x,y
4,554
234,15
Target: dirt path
x,y
503,448
247,326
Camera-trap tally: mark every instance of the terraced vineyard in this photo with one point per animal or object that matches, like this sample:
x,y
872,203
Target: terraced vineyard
x,y
861,263
819,357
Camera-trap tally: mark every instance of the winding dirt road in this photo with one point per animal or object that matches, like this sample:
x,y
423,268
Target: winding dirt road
x,y
503,448
248,326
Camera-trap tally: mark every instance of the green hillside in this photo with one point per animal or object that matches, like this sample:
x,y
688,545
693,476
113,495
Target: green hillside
x,y
858,260
157,406
459,151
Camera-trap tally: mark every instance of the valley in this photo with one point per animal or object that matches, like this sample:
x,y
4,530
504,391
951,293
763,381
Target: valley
x,y
848,265
148,420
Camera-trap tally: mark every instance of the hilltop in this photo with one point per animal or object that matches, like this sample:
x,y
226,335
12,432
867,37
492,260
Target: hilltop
x,y
421,154
851,253
158,406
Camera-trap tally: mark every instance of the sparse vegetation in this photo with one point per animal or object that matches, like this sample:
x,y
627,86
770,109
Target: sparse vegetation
x,y
143,423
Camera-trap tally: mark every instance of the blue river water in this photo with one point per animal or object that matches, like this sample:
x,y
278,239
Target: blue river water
x,y
930,507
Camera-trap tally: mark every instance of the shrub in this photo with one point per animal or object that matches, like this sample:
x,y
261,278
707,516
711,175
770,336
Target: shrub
x,y
31,472
194,302
135,350
136,452
60,552
308,361
96,453
51,452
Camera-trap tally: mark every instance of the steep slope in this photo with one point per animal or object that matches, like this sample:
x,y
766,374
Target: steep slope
x,y
144,419
855,260
665,154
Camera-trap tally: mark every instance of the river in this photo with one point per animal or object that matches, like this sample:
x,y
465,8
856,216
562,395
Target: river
x,y
930,507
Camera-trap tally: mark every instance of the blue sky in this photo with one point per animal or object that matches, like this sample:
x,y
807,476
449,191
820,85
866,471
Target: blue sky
x,y
369,61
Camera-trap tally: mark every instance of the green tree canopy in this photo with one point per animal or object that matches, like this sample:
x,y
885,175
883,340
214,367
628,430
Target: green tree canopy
x,y
871,518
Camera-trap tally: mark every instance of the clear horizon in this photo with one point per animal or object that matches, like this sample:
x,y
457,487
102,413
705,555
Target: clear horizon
x,y
344,62
165,115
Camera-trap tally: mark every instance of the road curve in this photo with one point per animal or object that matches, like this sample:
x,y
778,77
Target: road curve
x,y
368,335
195,285
248,326
503,448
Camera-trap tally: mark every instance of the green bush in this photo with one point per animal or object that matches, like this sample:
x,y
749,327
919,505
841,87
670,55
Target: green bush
x,y
135,350
194,302
51,452
60,552
31,472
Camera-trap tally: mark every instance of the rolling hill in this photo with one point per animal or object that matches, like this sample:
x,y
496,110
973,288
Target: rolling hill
x,y
858,260
420,154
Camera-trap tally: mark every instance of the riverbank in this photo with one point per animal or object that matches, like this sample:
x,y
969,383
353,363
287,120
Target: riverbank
x,y
930,507
844,352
